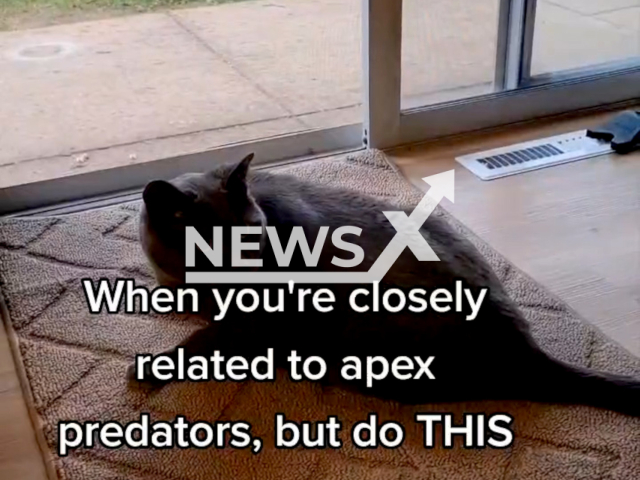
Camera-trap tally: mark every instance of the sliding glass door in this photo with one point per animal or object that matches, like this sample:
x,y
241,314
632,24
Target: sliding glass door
x,y
448,50
473,65
578,35
99,100
98,111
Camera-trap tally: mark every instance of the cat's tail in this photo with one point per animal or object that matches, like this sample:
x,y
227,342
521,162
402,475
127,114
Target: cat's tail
x,y
559,382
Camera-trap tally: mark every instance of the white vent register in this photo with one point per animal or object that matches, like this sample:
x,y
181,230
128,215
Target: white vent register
x,y
526,156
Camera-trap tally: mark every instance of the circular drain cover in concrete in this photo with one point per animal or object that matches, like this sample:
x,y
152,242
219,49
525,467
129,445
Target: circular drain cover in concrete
x,y
43,51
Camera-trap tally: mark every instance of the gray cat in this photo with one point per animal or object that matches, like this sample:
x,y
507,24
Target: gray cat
x,y
491,357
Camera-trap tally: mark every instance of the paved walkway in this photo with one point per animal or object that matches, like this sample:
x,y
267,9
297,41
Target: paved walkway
x,y
137,88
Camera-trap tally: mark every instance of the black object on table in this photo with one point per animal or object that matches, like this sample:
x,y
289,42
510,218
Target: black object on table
x,y
623,131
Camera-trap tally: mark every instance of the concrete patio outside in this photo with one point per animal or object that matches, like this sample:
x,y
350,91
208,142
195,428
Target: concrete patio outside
x,y
91,95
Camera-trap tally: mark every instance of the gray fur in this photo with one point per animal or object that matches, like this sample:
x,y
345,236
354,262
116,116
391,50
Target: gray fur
x,y
493,356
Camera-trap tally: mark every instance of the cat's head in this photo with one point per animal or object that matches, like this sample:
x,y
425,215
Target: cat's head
x,y
220,197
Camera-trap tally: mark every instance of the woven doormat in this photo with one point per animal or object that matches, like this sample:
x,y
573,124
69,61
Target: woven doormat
x,y
73,366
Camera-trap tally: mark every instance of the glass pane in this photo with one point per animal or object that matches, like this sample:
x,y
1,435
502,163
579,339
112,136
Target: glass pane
x,y
448,50
579,33
92,84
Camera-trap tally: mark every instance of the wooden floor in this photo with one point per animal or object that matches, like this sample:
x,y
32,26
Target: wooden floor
x,y
574,228
20,457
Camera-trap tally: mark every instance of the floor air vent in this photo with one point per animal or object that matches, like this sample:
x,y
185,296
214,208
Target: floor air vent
x,y
542,153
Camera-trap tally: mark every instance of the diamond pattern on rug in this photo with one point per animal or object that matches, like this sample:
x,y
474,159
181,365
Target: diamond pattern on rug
x,y
75,366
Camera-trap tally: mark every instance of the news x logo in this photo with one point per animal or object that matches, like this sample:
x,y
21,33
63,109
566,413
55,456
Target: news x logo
x,y
407,236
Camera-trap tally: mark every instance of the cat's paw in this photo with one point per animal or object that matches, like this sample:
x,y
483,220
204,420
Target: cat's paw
x,y
148,384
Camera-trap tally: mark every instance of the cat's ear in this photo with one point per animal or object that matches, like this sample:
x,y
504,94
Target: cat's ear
x,y
162,198
236,181
239,195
